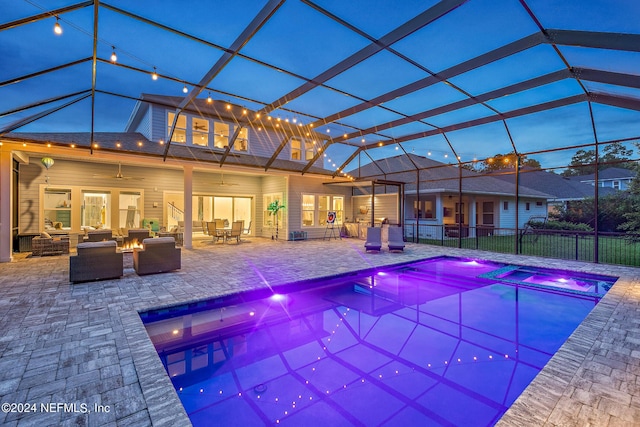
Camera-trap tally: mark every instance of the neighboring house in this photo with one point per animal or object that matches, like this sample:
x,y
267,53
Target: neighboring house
x,y
487,203
616,178
125,183
562,190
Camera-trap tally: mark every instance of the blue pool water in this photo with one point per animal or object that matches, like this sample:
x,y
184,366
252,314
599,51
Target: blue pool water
x,y
444,341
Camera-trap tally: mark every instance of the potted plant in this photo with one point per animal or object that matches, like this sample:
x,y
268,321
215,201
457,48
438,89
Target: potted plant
x,y
273,208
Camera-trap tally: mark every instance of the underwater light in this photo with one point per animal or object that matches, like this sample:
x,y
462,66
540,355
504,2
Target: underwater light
x,y
278,297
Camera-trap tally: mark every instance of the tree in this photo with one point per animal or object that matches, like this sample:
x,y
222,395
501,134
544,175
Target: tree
x,y
583,162
632,216
506,161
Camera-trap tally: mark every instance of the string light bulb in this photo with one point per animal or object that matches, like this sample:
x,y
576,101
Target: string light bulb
x,y
154,75
114,57
209,99
184,89
57,29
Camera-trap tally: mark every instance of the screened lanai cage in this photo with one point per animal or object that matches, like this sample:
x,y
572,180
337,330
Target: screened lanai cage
x,y
513,124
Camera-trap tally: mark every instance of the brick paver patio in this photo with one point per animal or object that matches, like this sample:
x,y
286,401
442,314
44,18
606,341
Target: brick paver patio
x,y
84,344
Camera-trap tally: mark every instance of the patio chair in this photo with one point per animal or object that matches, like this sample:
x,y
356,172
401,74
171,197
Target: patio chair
x,y
374,239
396,239
236,231
157,255
213,231
96,261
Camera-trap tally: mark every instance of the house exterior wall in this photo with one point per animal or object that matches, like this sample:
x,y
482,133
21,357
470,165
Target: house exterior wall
x,y
145,126
262,141
507,219
299,186
386,206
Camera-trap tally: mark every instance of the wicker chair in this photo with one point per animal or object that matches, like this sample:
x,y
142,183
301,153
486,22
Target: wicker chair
x,y
95,261
158,255
47,245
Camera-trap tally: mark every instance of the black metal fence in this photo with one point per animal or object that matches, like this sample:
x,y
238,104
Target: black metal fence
x,y
613,248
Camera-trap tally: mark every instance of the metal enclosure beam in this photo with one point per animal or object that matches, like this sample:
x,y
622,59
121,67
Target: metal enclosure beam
x,y
256,23
426,17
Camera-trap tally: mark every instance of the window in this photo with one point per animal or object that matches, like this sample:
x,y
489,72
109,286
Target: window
x,y
129,209
308,210
505,206
200,132
423,208
338,208
296,149
616,185
527,206
319,207
298,145
309,150
242,142
220,135
180,131
57,209
268,219
487,213
538,203
96,209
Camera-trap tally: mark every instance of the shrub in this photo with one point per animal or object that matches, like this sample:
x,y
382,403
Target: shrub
x,y
560,225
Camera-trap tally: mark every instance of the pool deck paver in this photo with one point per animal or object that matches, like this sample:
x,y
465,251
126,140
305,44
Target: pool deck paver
x,y
85,344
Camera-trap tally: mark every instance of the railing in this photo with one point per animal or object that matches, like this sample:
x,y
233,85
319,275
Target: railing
x,y
613,248
174,213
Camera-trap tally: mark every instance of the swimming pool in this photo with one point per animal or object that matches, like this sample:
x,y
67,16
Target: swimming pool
x,y
445,341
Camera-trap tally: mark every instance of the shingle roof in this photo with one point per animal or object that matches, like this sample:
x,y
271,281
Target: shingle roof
x,y
608,173
558,186
440,177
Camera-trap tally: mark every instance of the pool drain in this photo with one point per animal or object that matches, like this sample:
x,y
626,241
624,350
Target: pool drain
x,y
260,388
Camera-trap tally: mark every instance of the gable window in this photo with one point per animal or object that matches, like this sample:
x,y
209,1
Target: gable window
x,y
242,142
180,131
220,135
200,131
302,147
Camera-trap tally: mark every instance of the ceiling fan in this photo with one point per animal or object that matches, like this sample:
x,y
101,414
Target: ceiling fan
x,y
224,183
118,175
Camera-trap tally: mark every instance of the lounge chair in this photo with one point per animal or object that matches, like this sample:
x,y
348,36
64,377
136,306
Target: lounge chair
x,y
374,239
396,239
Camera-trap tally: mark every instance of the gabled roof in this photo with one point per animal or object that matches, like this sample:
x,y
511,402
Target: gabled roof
x,y
441,177
608,173
557,186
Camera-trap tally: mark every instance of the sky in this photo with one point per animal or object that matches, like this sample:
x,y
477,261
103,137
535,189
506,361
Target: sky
x,y
299,43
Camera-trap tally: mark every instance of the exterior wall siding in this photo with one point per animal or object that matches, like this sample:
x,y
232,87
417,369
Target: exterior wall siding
x,y
386,206
298,186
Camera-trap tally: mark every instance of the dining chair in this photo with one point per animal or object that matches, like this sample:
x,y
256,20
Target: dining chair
x,y
236,231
